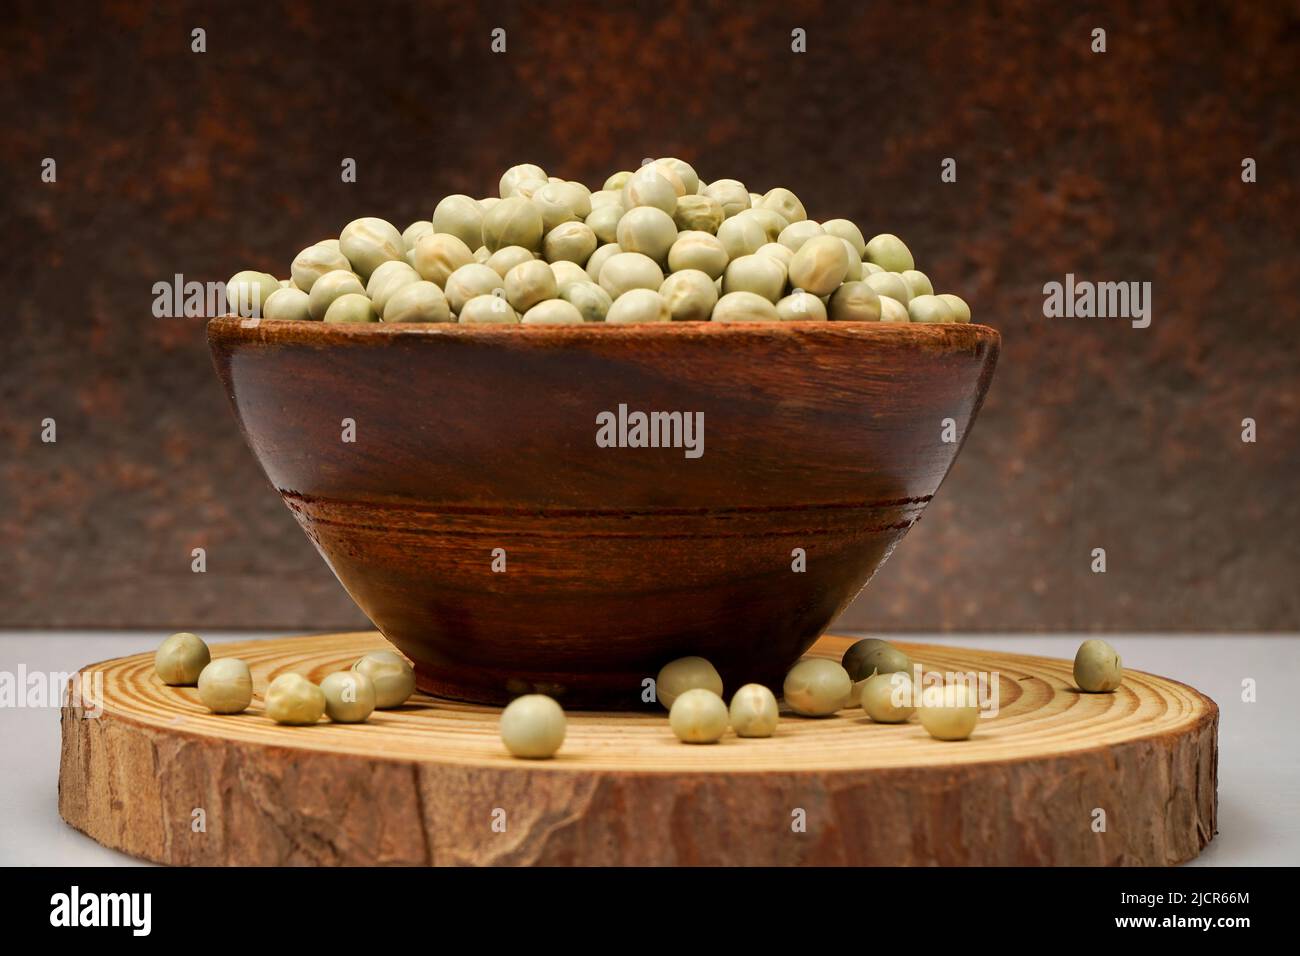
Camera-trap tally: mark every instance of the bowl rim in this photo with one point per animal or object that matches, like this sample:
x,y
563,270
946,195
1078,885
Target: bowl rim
x,y
954,334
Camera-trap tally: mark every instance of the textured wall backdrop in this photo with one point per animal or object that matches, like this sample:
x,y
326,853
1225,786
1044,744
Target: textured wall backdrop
x,y
1117,166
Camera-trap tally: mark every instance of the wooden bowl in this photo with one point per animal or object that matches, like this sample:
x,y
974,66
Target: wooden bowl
x,y
479,524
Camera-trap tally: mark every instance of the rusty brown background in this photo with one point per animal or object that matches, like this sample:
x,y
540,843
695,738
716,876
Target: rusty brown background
x,y
1117,166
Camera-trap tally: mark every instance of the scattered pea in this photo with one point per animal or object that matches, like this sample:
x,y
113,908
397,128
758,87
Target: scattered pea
x,y
180,659
533,727
349,696
293,699
816,687
949,712
871,655
683,674
698,716
393,678
753,711
226,686
887,698
1097,667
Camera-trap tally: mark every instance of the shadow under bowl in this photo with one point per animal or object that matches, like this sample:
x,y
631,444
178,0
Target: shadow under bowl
x,y
481,494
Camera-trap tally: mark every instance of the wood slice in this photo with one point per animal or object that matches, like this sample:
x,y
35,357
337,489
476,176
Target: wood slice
x,y
430,783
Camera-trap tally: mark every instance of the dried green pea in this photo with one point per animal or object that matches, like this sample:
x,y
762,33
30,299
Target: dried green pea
x,y
784,202
617,181
796,234
603,221
591,301
471,280
690,295
683,674
314,261
949,712
698,716
506,258
248,292
854,302
753,711
918,282
769,220
529,283
552,312
226,686
438,255
393,678
533,727
560,203
698,214
417,302
515,175
1097,667
349,696
700,251
625,271
180,659
288,305
820,264
742,235
744,307
354,308
731,194
606,197
890,284
387,279
887,698
598,258
850,233
330,287
460,216
368,242
777,251
489,309
293,699
891,310
960,310
800,306
638,306
647,230
650,187
569,242
761,275
514,221
929,309
816,687
684,171
413,233
888,251
566,273
871,655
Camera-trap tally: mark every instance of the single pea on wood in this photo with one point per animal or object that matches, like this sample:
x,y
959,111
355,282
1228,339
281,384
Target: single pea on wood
x,y
293,699
698,716
683,674
349,696
226,686
887,698
753,711
1097,667
393,678
949,711
533,727
180,659
816,687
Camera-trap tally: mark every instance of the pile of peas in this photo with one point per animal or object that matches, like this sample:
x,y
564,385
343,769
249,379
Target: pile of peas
x,y
655,245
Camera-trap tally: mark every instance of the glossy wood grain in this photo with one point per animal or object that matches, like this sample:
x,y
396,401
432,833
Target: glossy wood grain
x,y
825,437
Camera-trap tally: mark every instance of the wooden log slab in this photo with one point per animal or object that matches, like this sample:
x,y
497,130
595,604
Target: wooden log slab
x,y
157,776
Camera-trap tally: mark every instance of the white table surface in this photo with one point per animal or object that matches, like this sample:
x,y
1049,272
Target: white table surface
x,y
1259,756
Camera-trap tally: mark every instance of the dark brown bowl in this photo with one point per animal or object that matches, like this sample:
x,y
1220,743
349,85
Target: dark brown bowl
x,y
825,437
